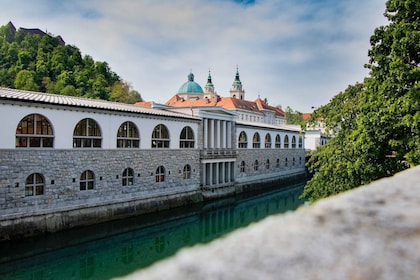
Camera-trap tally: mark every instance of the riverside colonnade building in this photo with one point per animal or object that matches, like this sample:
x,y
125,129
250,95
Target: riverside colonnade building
x,y
69,161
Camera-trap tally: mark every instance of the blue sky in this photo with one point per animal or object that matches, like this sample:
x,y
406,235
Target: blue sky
x,y
297,53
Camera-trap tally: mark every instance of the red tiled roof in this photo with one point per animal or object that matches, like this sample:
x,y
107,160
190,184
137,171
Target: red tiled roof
x,y
146,104
306,116
225,102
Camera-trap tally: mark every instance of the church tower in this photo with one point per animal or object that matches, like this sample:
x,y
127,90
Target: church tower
x,y
209,88
236,90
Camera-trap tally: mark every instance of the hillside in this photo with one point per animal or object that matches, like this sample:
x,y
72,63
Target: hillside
x,y
31,59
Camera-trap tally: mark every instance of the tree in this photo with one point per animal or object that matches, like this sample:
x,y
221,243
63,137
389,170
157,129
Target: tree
x,y
122,92
25,80
376,122
54,68
293,117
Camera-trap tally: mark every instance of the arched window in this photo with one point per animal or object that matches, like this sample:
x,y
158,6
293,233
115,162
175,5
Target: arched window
x,y
256,165
293,142
278,163
186,139
160,174
186,174
242,167
267,164
128,136
34,185
285,162
286,142
128,177
160,137
242,141
300,142
278,142
256,142
87,134
293,162
87,180
34,131
267,141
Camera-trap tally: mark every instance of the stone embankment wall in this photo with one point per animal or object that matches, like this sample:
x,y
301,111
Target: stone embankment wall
x,y
284,165
63,205
372,232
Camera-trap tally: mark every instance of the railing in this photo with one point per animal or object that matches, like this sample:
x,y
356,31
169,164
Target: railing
x,y
218,153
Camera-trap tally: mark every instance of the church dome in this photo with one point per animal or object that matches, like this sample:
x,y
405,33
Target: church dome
x,y
190,86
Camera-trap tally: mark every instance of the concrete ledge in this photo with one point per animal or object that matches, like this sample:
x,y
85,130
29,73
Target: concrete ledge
x,y
372,232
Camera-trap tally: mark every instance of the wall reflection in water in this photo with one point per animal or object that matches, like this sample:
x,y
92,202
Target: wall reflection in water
x,y
121,247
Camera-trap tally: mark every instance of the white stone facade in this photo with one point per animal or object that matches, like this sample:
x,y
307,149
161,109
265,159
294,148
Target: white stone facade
x,y
63,156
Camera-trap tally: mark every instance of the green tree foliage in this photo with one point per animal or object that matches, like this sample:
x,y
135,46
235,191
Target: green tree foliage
x,y
121,92
293,117
32,62
375,123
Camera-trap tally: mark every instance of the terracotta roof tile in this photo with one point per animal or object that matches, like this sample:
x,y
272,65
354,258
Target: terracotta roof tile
x,y
306,116
225,102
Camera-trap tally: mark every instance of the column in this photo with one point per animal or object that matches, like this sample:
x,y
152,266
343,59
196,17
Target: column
x,y
232,171
223,134
210,177
222,177
204,174
228,166
211,133
205,134
217,134
217,173
229,135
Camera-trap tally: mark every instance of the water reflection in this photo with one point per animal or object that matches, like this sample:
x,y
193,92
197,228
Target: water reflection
x,y
118,248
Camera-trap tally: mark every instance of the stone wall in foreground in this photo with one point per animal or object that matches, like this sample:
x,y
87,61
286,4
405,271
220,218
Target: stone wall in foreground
x,y
372,232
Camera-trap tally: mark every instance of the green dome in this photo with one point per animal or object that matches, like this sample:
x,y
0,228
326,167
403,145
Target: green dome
x,y
190,86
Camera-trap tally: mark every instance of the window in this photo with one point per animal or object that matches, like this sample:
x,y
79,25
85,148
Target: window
x,y
256,143
242,167
278,163
87,180
293,142
128,136
128,177
160,174
300,142
34,185
267,141
278,142
286,142
256,165
293,162
186,139
87,134
187,172
160,137
242,141
267,164
285,162
34,131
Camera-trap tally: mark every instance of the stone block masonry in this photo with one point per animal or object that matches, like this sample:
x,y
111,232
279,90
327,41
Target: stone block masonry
x,y
372,232
63,204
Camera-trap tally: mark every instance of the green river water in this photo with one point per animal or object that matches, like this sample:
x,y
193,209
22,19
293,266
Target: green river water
x,y
121,247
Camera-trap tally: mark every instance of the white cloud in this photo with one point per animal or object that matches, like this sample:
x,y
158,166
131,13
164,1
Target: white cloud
x,y
294,53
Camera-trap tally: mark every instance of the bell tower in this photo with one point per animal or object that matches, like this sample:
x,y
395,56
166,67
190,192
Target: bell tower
x,y
236,90
209,88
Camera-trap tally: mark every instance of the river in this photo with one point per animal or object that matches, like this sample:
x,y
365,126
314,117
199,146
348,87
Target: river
x,y
118,248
